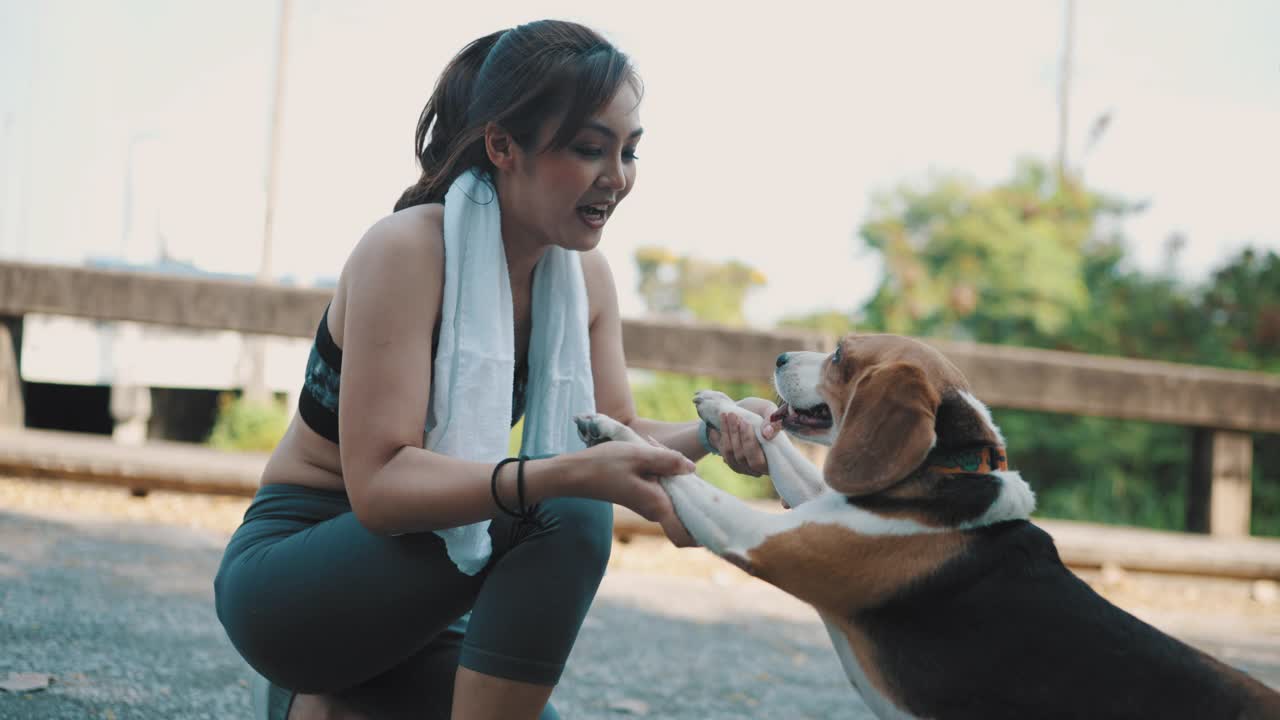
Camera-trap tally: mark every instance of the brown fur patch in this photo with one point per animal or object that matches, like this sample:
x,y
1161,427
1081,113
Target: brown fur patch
x,y
840,571
886,430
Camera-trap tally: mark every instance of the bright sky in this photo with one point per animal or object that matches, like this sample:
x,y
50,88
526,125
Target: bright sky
x,y
768,127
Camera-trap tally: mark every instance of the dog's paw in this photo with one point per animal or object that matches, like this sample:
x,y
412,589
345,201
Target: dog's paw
x,y
596,428
711,404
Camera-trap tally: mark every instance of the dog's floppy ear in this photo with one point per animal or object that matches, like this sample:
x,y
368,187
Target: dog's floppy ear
x,y
887,429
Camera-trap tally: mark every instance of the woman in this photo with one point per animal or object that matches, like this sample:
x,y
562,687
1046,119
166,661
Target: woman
x,y
382,569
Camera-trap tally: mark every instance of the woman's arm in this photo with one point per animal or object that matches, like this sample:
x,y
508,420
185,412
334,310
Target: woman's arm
x,y
391,290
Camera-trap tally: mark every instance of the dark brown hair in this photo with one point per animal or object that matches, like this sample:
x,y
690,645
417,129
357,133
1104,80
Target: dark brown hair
x,y
517,79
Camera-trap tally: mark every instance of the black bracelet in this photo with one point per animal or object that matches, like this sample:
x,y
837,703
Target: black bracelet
x,y
524,511
493,486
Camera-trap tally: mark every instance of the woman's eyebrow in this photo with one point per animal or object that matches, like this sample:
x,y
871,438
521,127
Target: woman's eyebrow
x,y
606,130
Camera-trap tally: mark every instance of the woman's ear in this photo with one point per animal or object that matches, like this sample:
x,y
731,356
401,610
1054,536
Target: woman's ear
x,y
886,432
499,146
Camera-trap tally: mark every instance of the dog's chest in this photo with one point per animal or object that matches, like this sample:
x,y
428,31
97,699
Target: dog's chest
x,y
881,705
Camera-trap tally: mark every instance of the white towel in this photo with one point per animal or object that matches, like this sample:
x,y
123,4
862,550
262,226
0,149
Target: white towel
x,y
470,409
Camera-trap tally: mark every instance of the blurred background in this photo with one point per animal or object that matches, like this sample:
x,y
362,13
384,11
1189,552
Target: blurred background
x,y
1073,175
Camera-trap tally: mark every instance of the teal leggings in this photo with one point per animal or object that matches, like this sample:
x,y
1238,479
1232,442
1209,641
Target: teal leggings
x,y
318,604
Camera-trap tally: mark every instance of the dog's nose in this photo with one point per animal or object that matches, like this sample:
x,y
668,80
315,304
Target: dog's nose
x,y
782,359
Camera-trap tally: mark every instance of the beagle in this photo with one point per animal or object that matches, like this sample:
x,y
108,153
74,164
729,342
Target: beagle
x,y
914,545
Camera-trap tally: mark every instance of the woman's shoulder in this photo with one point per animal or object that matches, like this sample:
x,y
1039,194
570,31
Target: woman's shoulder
x,y
595,268
598,278
405,239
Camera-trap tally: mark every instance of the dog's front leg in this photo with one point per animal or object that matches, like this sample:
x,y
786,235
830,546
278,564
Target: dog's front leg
x,y
795,478
719,521
722,523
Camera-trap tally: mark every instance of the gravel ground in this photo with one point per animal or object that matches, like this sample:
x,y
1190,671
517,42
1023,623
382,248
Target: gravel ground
x,y
111,596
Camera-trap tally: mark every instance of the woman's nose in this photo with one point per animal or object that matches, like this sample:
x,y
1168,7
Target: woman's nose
x,y
613,178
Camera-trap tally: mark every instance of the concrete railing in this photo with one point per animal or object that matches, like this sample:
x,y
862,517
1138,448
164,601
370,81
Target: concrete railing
x,y
1221,406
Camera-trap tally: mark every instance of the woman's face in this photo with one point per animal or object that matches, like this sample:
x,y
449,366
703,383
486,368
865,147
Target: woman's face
x,y
566,196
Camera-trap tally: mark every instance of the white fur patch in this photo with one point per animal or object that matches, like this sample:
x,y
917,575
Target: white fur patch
x,y
797,385
1016,501
883,707
984,412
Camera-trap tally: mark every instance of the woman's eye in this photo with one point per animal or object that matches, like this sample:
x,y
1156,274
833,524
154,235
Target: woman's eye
x,y
589,151
630,155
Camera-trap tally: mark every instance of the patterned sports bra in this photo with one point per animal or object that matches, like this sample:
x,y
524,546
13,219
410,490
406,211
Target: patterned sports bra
x,y
318,403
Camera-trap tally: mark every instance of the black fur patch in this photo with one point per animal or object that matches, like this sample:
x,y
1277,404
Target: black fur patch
x,y
942,499
1006,631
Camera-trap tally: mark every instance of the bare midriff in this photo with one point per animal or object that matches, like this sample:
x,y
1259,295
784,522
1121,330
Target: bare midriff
x,y
303,457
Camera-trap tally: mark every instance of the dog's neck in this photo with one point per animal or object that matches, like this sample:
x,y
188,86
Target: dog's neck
x,y
973,489
983,459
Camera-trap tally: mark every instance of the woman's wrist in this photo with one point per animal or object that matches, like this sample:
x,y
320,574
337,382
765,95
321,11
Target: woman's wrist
x,y
704,439
552,477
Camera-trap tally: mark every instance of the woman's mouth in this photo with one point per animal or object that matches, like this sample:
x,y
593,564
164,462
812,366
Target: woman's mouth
x,y
594,215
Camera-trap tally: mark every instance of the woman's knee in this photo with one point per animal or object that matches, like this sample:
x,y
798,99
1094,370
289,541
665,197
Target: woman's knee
x,y
580,530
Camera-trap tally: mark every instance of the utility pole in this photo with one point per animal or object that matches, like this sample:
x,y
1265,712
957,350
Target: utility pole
x,y
255,346
1064,86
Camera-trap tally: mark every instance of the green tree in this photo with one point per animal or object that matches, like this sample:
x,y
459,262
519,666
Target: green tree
x,y
1037,263
1001,264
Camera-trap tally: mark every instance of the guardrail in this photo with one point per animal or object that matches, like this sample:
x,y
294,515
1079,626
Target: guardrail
x,y
1222,406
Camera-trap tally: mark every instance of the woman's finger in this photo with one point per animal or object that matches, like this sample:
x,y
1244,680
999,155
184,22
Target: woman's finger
x,y
667,462
717,439
747,447
759,461
734,457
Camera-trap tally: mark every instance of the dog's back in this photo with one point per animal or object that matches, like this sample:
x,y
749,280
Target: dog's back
x,y
1004,630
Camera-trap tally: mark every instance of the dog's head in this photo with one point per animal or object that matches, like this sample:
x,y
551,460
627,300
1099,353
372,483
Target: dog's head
x,y
882,402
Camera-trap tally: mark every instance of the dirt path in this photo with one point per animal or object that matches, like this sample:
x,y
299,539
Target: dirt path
x,y
111,595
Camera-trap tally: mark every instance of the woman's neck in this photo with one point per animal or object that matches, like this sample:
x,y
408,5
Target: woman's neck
x,y
523,253
523,244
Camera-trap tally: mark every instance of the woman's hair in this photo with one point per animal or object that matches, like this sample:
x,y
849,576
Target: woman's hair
x,y
517,79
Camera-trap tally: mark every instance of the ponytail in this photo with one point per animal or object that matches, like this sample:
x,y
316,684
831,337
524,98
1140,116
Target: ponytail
x,y
442,138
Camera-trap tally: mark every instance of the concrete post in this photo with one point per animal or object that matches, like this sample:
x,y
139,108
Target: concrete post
x,y
1220,495
131,410
12,409
130,401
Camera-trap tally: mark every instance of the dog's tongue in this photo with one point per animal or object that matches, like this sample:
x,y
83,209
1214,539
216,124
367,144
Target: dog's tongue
x,y
781,413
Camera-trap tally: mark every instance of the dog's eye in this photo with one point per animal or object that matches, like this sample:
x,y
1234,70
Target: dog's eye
x,y
835,356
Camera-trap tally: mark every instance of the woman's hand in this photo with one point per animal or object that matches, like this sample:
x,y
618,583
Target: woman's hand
x,y
627,474
737,442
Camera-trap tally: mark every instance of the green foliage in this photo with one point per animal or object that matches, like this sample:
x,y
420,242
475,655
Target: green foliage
x,y
1266,485
966,261
247,425
669,397
1034,263
1099,469
707,291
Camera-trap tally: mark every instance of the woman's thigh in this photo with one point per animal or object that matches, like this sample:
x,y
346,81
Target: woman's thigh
x,y
333,605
